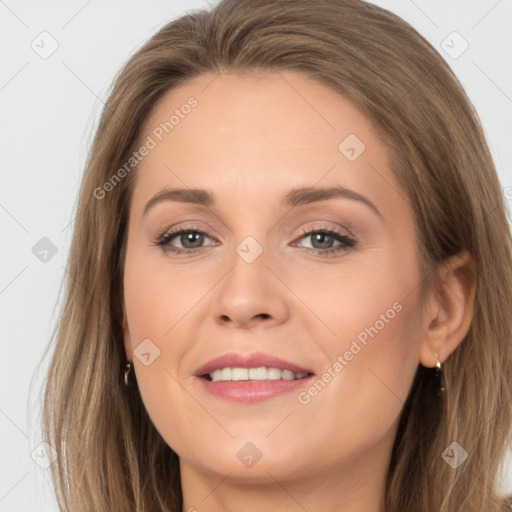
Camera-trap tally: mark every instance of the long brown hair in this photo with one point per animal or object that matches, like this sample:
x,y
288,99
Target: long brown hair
x,y
110,456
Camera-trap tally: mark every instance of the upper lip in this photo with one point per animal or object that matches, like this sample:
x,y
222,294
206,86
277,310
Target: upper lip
x,y
252,360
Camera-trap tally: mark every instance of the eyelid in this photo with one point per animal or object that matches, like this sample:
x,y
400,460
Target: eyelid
x,y
321,227
341,229
174,231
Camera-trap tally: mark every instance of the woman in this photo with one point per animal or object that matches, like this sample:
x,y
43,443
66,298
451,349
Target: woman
x,y
290,276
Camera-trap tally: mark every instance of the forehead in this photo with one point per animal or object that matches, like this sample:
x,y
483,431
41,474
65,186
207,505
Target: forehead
x,y
255,135
266,107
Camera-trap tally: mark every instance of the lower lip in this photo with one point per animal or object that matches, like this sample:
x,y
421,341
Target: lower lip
x,y
253,391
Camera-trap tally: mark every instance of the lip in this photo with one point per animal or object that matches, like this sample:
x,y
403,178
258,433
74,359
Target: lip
x,y
251,391
253,360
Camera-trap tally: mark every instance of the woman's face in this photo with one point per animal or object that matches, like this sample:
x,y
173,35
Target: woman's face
x,y
300,247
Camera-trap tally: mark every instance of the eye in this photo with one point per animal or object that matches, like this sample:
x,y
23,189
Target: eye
x,y
190,238
322,240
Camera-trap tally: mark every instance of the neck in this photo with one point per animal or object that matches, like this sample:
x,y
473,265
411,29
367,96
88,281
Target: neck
x,y
351,486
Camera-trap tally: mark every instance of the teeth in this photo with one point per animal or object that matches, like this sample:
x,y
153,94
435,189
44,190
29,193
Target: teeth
x,y
274,374
258,374
239,374
262,373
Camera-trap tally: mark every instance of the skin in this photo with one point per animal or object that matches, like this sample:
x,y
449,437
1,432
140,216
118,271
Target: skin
x,y
249,140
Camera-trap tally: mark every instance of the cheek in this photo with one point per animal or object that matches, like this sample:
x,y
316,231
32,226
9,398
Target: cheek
x,y
157,298
375,303
368,324
162,305
364,387
152,308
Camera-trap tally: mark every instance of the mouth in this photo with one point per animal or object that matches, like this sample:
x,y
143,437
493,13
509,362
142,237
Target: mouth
x,y
251,377
260,374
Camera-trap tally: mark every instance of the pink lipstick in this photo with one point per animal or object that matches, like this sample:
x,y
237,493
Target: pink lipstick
x,y
251,377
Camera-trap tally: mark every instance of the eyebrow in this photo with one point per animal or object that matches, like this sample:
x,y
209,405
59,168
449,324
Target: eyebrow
x,y
294,197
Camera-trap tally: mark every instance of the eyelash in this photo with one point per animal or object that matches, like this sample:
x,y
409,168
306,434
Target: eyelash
x,y
347,242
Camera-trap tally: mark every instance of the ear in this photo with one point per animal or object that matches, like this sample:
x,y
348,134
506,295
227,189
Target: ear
x,y
450,309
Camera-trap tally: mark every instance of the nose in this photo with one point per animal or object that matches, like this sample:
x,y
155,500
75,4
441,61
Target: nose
x,y
250,295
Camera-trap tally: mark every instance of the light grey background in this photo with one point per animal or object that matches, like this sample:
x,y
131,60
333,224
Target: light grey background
x,y
50,107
